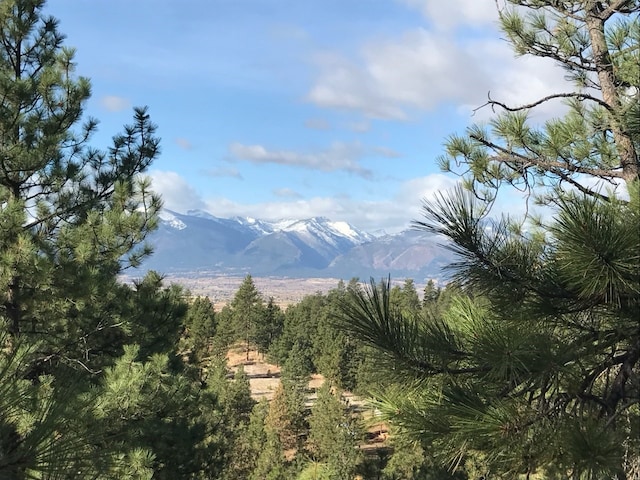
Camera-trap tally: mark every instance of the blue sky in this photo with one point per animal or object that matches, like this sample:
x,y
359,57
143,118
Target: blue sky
x,y
298,108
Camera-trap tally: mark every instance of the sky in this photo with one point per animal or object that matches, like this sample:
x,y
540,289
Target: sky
x,y
299,108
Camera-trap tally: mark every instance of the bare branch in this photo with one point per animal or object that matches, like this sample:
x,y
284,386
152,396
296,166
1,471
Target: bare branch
x,y
580,96
579,186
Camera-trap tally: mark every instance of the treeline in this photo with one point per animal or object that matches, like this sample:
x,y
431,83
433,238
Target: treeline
x,y
287,437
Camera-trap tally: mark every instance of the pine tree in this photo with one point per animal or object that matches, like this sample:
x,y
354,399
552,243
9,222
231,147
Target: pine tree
x,y
300,327
270,326
200,328
596,143
430,294
247,310
334,435
90,383
295,381
32,418
72,216
532,368
279,418
405,298
270,460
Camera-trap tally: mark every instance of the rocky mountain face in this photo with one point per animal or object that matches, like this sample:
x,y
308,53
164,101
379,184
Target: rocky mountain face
x,y
198,242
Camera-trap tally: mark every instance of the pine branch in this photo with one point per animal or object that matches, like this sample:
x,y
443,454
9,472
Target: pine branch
x,y
579,96
544,163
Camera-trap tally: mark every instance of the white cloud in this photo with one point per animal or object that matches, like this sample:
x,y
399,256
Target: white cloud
x,y
114,103
386,152
518,81
394,78
176,193
454,13
417,189
391,214
338,157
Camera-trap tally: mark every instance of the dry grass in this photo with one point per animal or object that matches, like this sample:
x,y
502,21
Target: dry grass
x,y
264,379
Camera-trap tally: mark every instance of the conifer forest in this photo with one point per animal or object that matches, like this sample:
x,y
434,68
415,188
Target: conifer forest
x,y
524,365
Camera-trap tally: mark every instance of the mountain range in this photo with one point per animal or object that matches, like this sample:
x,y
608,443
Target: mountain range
x,y
199,243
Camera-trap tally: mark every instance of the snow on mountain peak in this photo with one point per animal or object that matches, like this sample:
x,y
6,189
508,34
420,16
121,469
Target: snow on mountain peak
x,y
345,229
313,229
170,219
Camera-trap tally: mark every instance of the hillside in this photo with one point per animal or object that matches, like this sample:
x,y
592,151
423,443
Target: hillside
x,y
197,244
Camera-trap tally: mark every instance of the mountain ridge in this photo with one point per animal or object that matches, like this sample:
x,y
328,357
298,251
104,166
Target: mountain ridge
x,y
300,248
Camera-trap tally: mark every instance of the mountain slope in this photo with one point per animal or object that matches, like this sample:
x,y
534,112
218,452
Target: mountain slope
x,y
315,247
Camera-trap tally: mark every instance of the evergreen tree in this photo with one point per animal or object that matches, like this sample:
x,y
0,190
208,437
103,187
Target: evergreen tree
x,y
334,435
596,143
410,300
279,419
295,381
270,460
32,418
534,371
316,471
71,215
90,382
225,331
430,294
234,430
144,407
270,326
405,298
247,311
200,328
300,327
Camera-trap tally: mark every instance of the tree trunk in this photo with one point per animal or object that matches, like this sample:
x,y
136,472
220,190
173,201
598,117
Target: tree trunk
x,y
606,78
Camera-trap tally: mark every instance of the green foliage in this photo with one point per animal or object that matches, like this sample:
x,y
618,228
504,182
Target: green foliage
x,y
270,460
247,313
409,462
405,298
72,216
596,43
146,407
200,328
529,365
270,326
316,471
90,382
41,432
540,372
334,435
301,322
430,294
286,415
309,331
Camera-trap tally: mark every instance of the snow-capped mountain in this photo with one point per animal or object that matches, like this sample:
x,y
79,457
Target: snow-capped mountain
x,y
168,218
314,247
